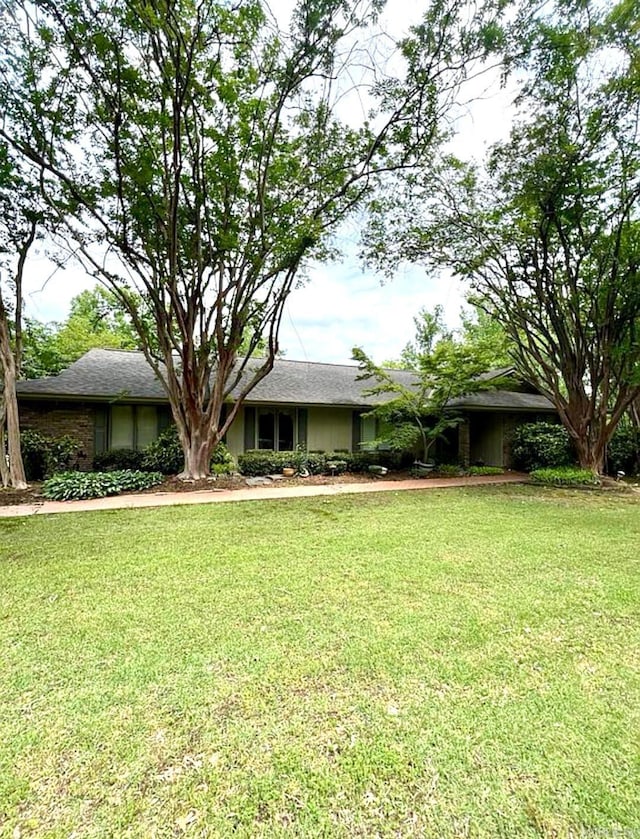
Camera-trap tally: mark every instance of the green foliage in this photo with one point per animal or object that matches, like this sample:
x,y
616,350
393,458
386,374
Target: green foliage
x,y
69,486
564,476
165,455
623,453
539,444
547,232
267,462
419,411
485,470
96,319
44,456
198,155
257,462
448,470
118,459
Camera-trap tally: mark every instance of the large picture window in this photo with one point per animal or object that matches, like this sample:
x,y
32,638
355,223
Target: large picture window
x,y
278,429
133,426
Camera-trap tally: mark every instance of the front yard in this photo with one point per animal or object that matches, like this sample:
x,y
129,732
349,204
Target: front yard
x,y
459,663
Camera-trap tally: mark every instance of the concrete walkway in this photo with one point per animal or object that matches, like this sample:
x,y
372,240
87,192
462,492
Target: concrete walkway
x,y
212,496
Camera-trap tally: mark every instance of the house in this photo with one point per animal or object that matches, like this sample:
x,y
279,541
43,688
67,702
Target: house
x,y
111,399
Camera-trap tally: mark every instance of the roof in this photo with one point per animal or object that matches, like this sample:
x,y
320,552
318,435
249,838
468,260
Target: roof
x,y
125,374
506,400
107,375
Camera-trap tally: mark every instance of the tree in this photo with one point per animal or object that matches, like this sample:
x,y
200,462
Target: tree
x,y
420,412
196,156
20,218
483,330
549,234
96,319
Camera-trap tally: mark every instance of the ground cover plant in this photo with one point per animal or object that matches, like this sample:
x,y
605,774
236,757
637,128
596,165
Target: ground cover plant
x,y
69,486
459,663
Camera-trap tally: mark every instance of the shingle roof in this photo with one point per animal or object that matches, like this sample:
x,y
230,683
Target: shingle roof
x,y
112,374
507,400
109,374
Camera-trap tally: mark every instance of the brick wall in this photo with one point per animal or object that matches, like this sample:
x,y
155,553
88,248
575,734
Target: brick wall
x,y
55,419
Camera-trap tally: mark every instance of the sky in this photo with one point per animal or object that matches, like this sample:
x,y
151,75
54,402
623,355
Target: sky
x,y
342,304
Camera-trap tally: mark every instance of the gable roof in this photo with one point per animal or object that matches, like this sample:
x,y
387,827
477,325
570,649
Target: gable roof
x,y
110,375
125,374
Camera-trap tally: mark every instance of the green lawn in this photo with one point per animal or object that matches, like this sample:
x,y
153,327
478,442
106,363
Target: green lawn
x,y
459,663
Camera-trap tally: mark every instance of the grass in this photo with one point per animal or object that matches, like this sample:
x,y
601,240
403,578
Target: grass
x,y
460,663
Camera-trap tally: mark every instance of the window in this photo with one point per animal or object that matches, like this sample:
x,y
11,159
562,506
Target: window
x,y
279,429
133,426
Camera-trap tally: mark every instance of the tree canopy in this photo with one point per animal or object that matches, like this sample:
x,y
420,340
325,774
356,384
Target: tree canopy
x,y
197,158
420,412
96,319
548,233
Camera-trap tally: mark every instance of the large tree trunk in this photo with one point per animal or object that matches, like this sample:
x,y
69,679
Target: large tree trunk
x,y
17,477
591,454
4,467
198,442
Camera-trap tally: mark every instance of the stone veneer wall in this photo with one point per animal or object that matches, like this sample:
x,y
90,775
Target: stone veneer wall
x,y
56,419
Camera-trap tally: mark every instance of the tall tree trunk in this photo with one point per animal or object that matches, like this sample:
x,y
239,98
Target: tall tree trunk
x,y
591,454
198,442
17,477
4,467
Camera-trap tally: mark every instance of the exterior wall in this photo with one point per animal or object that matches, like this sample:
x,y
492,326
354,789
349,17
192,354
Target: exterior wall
x,y
486,437
464,443
330,429
56,419
491,435
235,435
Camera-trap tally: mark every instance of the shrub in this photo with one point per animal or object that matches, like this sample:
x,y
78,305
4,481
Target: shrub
x,y
623,451
222,461
257,462
44,456
76,485
447,470
118,459
165,455
485,470
536,445
564,476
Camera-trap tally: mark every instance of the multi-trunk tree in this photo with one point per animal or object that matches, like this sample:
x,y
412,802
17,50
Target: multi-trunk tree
x,y
548,235
20,223
196,155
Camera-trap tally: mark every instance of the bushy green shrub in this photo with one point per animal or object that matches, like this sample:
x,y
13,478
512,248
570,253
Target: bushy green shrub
x,y
165,455
76,485
257,462
447,470
222,461
485,470
44,456
118,459
623,451
536,445
564,476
